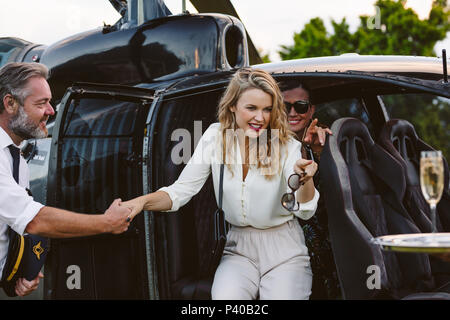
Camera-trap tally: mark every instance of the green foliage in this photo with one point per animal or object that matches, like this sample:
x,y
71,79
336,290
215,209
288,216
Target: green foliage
x,y
400,32
311,40
264,56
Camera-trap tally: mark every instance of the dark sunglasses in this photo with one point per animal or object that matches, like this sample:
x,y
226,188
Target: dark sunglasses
x,y
288,199
300,106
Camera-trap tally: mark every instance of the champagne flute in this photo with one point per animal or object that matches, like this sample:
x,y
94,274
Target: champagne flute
x,y
432,180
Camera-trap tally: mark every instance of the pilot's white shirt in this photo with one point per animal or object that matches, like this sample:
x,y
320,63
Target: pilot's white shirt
x,y
254,202
17,208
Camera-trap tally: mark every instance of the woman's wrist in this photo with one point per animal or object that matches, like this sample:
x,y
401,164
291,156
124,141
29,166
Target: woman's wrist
x,y
156,201
306,192
145,202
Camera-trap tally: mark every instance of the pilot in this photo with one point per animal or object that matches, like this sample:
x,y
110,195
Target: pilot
x,y
300,112
24,110
265,255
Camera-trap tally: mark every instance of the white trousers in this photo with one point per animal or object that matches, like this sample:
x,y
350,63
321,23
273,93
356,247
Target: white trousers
x,y
268,264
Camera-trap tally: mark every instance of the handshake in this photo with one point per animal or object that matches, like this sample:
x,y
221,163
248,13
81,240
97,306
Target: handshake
x,y
117,217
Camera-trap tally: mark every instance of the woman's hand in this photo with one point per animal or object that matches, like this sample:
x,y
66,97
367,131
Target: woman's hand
x,y
136,205
306,169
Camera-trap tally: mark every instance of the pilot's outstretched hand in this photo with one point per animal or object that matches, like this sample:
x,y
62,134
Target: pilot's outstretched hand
x,y
25,287
118,217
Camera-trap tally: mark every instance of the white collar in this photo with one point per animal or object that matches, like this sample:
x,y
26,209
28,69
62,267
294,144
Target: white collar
x,y
5,139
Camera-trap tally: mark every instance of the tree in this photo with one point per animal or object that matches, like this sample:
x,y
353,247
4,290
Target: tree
x,y
312,41
264,55
400,32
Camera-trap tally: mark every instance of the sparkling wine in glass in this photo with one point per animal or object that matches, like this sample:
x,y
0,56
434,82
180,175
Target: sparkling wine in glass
x,y
432,180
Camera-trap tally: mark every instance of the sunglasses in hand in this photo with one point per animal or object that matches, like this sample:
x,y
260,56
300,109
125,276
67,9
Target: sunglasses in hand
x,y
300,106
288,199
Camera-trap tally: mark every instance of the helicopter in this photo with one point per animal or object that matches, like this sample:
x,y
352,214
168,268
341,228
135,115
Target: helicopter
x,y
122,91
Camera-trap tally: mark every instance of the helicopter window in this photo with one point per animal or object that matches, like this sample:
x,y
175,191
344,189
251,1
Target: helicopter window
x,y
328,112
428,113
161,53
97,117
234,47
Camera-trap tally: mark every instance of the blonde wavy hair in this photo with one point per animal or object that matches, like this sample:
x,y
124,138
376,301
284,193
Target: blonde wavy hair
x,y
243,80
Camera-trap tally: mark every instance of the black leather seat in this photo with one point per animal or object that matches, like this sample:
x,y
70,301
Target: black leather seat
x,y
399,138
365,189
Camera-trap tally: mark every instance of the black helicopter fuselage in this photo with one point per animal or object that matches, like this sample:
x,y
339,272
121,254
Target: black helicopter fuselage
x,y
158,50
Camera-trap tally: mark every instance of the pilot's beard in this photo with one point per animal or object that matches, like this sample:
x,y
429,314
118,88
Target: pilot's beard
x,y
22,126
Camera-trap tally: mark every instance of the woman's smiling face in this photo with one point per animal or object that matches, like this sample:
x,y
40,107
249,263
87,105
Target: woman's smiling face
x,y
253,111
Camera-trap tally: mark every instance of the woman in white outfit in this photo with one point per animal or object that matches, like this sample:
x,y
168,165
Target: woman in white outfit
x,y
265,255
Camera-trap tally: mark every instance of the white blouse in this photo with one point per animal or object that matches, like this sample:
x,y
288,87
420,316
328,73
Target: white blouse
x,y
256,201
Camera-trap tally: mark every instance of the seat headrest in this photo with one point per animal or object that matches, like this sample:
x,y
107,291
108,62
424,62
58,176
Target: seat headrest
x,y
352,127
363,155
401,127
353,139
403,137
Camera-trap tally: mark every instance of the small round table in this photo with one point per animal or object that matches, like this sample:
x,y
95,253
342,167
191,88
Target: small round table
x,y
415,242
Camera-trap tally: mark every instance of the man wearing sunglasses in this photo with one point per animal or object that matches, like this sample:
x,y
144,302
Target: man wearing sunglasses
x,y
300,116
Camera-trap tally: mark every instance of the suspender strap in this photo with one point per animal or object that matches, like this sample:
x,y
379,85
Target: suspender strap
x,y
221,186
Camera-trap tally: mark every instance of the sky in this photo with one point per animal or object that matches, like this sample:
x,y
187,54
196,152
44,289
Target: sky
x,y
269,23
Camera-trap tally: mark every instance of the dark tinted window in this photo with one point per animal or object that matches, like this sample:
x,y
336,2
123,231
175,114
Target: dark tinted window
x,y
164,53
429,114
98,117
328,112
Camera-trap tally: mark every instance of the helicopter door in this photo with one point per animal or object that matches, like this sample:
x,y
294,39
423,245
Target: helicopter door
x,y
95,158
183,240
